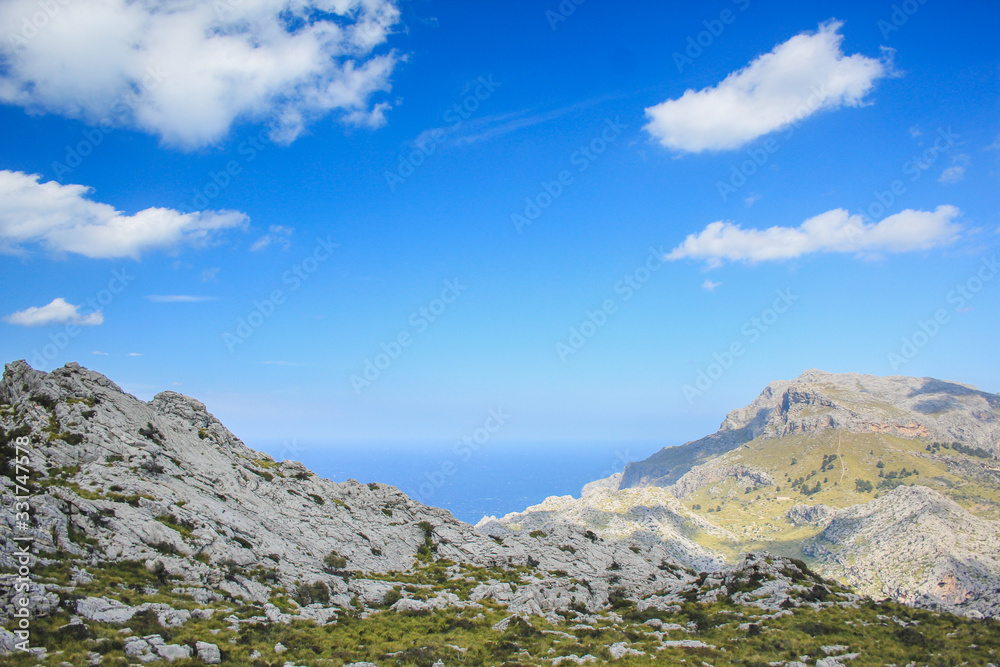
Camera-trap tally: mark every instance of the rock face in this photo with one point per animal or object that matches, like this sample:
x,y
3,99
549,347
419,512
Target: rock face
x,y
918,547
818,401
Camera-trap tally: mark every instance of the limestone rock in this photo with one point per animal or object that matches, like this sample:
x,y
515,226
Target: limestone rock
x,y
208,653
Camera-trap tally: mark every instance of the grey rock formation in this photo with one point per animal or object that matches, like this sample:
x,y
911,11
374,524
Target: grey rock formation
x,y
811,515
208,653
649,519
164,483
916,546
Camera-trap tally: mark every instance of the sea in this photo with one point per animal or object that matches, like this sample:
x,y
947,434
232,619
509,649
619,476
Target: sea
x,y
470,484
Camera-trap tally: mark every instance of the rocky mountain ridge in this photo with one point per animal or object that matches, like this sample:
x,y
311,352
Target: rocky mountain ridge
x,y
891,485
166,480
850,402
157,535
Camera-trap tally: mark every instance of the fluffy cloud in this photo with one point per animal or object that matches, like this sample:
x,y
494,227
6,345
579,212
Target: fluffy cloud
x,y
59,311
833,231
63,219
186,70
798,78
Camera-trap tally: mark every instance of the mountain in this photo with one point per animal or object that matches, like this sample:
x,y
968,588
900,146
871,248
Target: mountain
x,y
817,402
165,480
146,531
888,484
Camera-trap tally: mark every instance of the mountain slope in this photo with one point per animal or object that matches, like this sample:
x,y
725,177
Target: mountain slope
x,y
792,472
120,479
850,403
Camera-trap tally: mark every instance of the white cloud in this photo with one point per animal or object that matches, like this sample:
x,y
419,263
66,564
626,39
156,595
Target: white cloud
x,y
952,174
210,274
709,285
833,231
103,354
186,70
798,78
59,311
62,219
956,172
752,199
178,298
134,354
276,234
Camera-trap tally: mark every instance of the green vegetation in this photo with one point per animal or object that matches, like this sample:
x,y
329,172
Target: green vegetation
x,y
842,459
182,526
334,562
152,433
882,633
89,401
935,448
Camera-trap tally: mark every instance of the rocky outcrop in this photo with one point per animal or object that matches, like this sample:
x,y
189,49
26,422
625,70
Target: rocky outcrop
x,y
649,519
916,546
811,515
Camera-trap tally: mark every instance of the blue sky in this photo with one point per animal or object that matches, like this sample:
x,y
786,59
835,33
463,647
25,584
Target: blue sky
x,y
612,224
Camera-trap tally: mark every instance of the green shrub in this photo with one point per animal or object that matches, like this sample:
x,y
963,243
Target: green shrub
x,y
334,562
391,597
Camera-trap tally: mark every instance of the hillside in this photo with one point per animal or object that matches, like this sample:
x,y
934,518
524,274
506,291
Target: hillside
x,y
891,485
816,402
152,533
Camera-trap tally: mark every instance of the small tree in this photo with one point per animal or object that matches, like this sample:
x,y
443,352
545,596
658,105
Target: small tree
x,y
334,562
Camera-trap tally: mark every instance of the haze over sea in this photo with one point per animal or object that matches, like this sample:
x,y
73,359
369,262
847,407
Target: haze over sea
x,y
497,479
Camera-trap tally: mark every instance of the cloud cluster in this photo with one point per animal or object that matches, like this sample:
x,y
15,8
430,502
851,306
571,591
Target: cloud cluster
x,y
59,311
186,70
833,231
807,74
62,219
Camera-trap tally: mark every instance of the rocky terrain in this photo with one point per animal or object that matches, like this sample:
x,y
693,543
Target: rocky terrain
x,y
152,533
890,485
152,519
